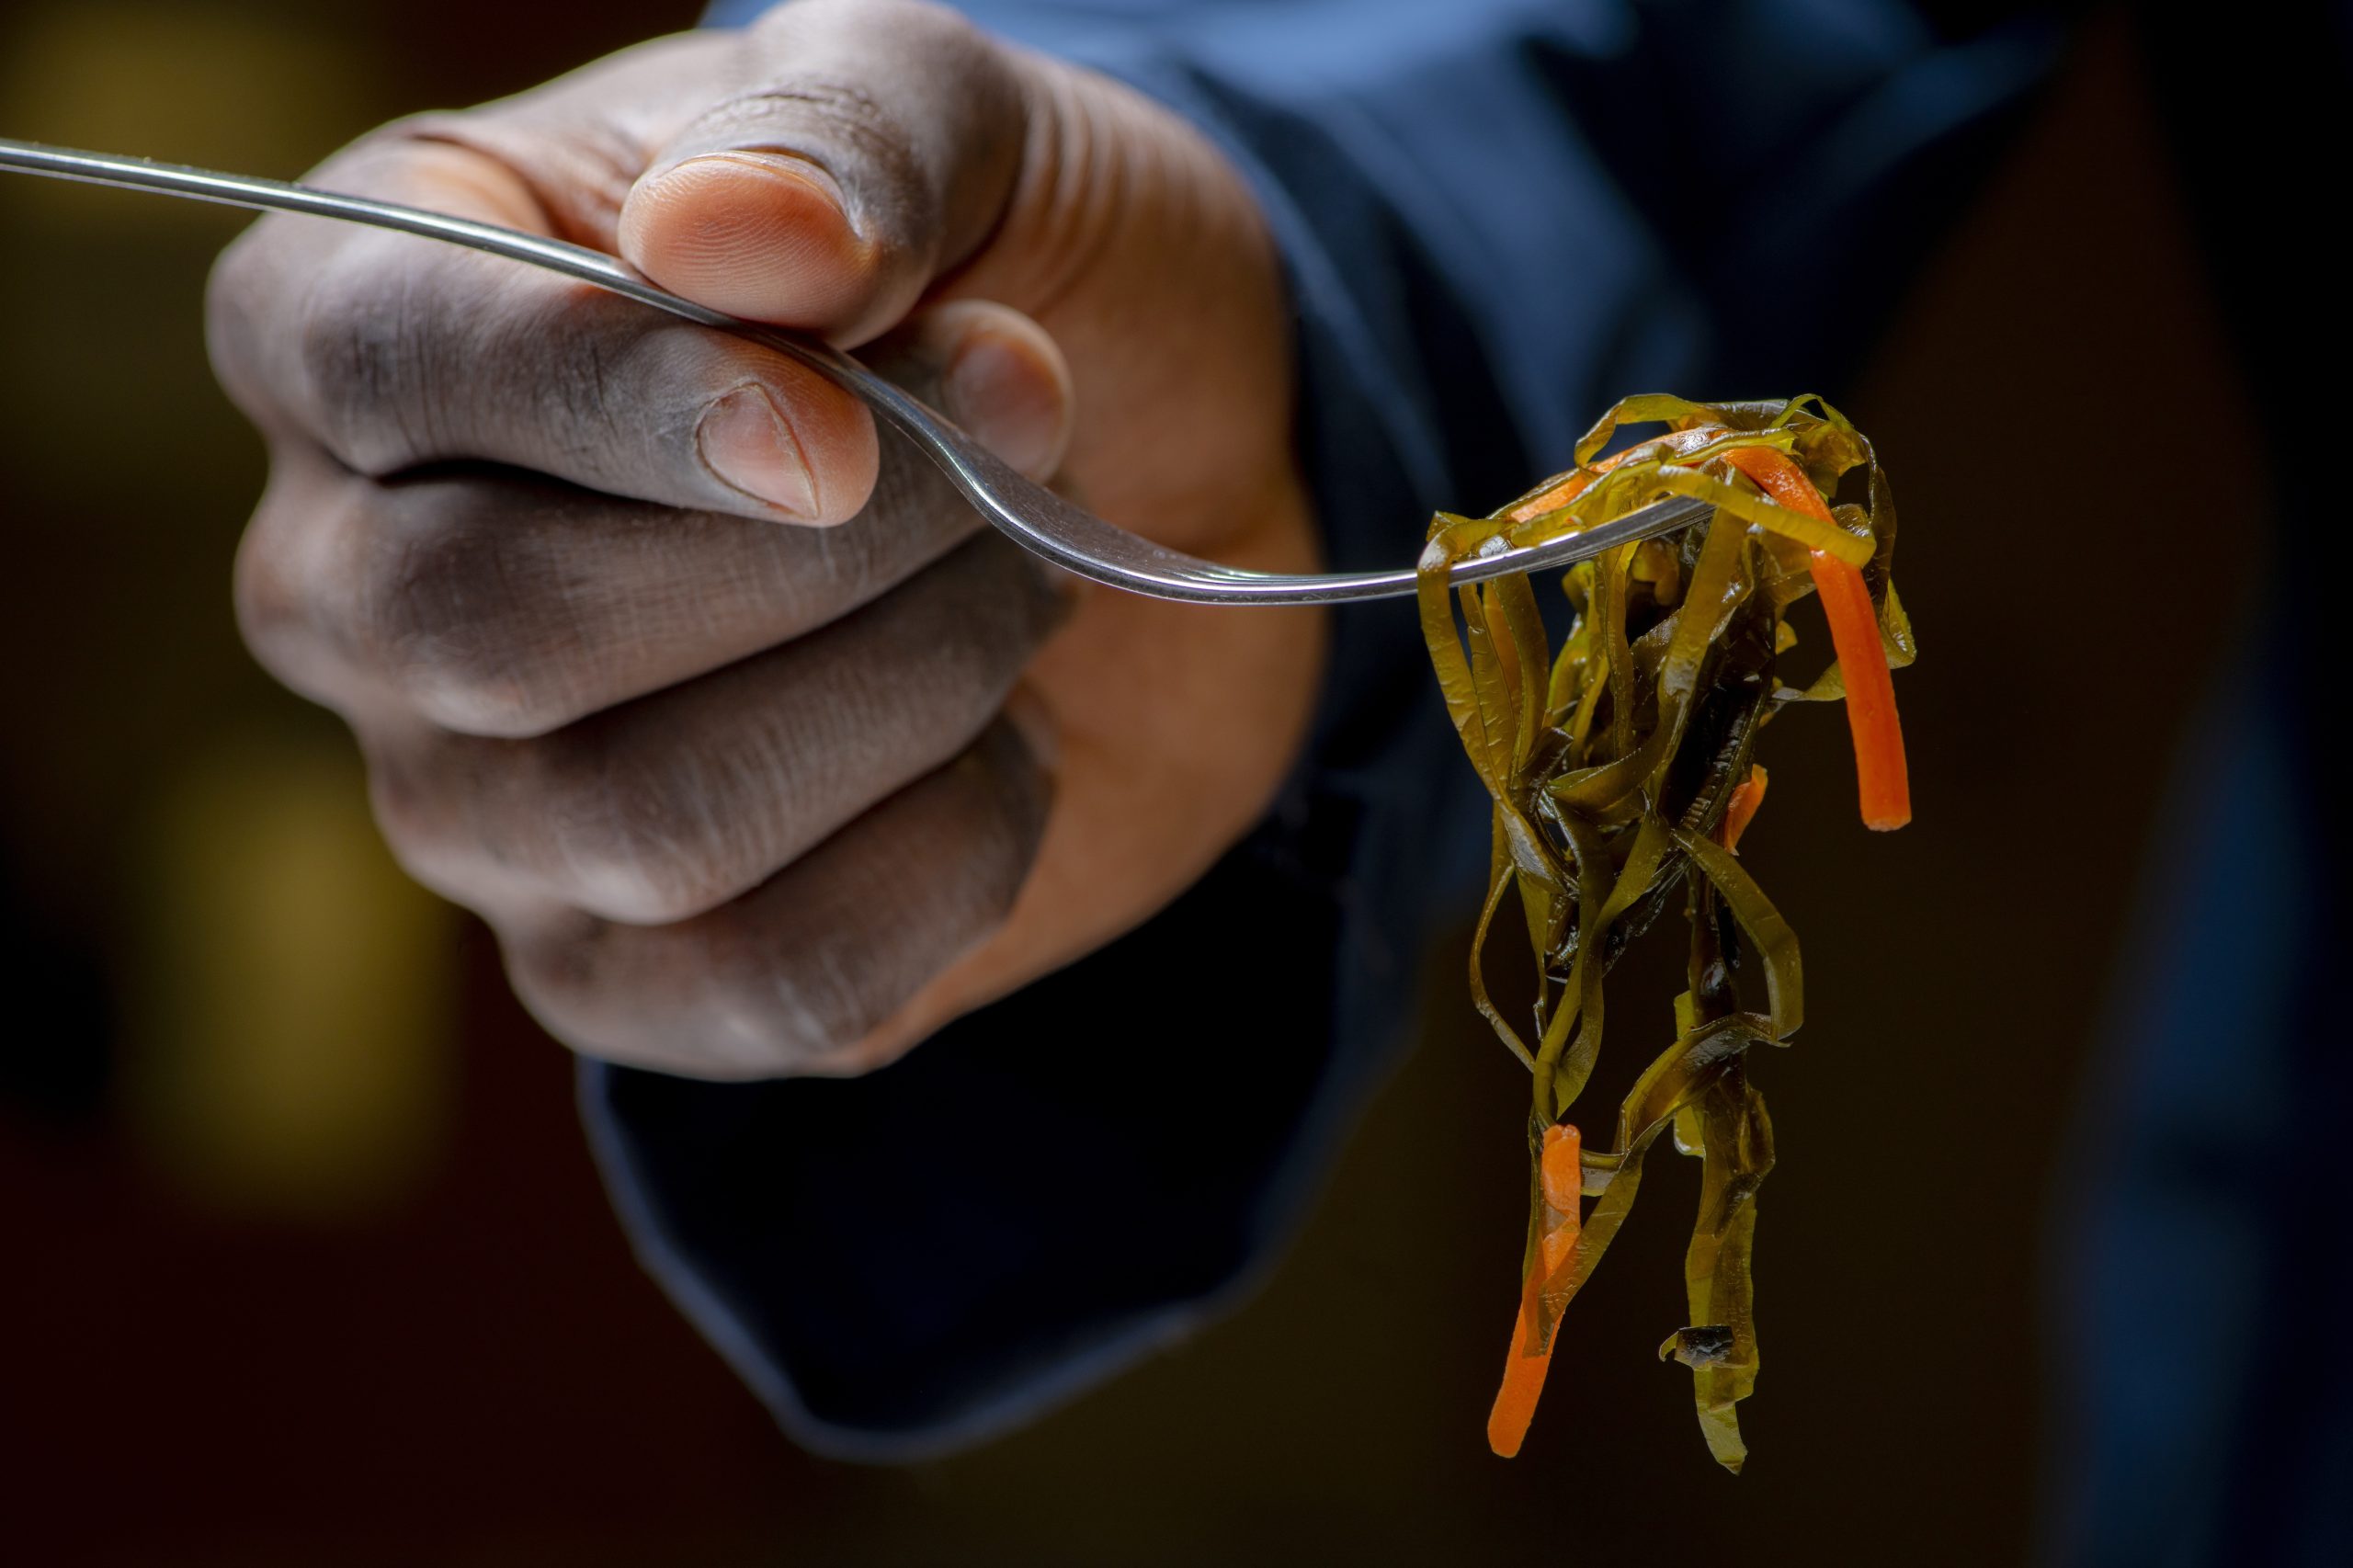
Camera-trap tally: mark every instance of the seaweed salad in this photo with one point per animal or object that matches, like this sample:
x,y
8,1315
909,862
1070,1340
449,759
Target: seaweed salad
x,y
1622,772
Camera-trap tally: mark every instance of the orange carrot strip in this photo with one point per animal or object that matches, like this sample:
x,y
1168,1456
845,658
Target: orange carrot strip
x,y
1577,481
1879,774
1561,1177
1746,796
1552,500
1561,1174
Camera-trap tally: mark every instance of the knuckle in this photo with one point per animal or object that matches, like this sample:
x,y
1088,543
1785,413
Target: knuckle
x,y
363,353
630,835
272,615
453,628
414,810
415,832
285,586
233,293
320,333
556,971
796,1012
231,288
482,697
713,1010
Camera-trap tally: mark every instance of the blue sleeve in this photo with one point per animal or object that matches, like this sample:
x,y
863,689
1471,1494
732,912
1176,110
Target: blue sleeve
x,y
1495,217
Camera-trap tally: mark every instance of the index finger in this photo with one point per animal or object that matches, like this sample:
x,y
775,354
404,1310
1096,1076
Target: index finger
x,y
393,352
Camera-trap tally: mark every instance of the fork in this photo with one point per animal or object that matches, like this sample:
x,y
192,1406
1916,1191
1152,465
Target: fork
x,y
1034,517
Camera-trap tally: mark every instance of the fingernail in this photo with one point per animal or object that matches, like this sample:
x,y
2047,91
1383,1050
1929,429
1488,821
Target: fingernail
x,y
746,442
1034,723
995,388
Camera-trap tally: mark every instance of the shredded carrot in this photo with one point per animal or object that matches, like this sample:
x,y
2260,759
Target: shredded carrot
x,y
1746,796
1560,1176
1558,497
1576,481
1880,774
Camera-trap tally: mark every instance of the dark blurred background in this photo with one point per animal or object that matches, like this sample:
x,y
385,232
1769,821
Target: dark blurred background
x,y
302,1256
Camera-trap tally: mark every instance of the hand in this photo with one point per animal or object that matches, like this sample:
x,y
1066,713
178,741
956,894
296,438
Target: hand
x,y
758,754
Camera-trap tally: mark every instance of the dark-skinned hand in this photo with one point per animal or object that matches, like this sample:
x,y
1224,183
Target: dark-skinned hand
x,y
759,754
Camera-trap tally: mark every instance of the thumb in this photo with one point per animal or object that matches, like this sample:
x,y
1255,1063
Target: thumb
x,y
872,148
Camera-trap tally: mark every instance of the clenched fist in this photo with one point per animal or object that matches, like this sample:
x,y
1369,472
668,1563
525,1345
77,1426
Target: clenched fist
x,y
758,753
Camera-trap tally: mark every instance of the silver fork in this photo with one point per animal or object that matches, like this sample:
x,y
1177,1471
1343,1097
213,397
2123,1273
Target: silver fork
x,y
1037,519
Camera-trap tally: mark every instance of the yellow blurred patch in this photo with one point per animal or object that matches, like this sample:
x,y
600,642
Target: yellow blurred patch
x,y
291,1052
213,84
